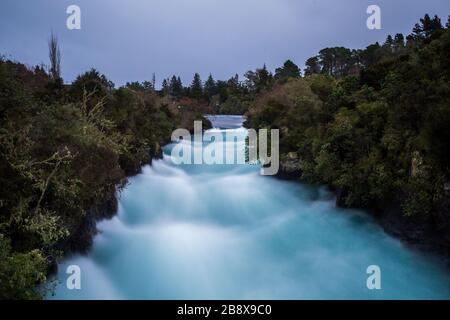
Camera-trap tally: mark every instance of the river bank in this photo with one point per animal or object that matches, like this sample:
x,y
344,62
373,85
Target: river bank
x,y
423,233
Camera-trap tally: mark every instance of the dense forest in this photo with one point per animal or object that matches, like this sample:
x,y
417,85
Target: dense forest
x,y
64,151
374,124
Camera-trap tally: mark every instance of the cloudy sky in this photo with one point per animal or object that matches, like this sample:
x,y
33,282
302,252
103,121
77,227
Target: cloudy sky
x,y
130,39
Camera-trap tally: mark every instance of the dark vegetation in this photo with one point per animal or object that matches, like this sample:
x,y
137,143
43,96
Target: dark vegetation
x,y
64,151
227,97
374,124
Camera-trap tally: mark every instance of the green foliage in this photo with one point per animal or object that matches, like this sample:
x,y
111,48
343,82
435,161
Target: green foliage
x,y
258,80
176,87
236,105
210,87
312,66
380,134
64,151
196,90
20,272
374,123
288,70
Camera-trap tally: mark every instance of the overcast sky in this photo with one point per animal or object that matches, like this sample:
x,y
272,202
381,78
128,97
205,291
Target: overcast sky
x,y
128,40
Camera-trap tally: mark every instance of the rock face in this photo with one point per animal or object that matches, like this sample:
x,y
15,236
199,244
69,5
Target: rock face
x,y
83,233
290,167
427,233
341,196
441,222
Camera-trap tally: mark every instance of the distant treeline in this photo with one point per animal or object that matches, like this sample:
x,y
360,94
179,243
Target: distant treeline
x,y
232,96
235,96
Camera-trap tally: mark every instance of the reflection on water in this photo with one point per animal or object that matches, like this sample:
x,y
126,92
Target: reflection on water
x,y
225,232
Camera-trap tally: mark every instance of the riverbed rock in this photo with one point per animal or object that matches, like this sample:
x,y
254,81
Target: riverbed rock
x,y
290,166
341,197
429,233
83,233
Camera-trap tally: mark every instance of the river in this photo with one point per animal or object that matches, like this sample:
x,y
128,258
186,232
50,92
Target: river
x,y
226,232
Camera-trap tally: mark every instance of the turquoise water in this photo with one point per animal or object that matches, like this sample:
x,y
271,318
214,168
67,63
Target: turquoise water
x,y
226,232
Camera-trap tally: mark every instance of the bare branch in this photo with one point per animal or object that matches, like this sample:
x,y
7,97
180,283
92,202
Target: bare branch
x,y
55,57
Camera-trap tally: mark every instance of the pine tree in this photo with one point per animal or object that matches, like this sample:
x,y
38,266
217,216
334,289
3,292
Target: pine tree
x,y
264,77
154,81
426,27
165,87
210,87
399,43
388,45
196,90
176,87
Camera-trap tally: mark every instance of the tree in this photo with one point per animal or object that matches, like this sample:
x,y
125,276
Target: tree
x,y
135,85
234,82
154,81
379,136
55,58
93,83
265,77
258,80
312,66
180,87
176,87
165,88
62,159
224,88
210,87
147,85
335,61
389,41
20,272
288,70
399,43
426,27
370,55
196,91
